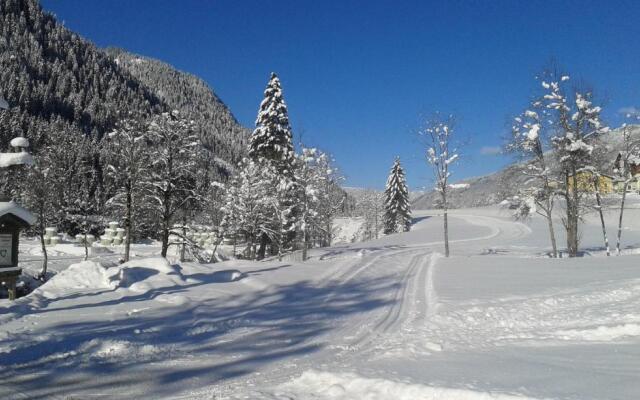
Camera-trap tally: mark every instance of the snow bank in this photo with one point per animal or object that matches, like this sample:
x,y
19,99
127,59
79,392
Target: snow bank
x,y
318,385
601,333
83,276
145,274
140,276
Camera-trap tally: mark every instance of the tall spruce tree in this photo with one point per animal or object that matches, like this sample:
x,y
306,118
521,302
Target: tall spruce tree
x,y
272,142
272,138
397,212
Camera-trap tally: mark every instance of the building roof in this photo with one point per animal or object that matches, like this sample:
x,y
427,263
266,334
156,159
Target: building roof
x,y
15,209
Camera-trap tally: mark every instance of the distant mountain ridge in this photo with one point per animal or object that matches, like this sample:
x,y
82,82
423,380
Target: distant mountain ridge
x,y
493,188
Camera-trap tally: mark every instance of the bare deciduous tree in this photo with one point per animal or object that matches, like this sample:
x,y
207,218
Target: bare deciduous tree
x,y
437,135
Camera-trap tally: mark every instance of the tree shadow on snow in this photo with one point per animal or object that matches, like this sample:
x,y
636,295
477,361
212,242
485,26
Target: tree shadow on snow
x,y
213,340
419,219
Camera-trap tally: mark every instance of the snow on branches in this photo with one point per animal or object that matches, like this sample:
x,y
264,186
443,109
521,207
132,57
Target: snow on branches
x,y
437,135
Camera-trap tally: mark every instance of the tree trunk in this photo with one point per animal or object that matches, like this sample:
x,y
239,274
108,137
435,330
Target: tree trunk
x,y
235,242
86,245
43,271
263,246
572,201
446,234
604,228
624,195
552,235
165,239
127,228
304,243
184,237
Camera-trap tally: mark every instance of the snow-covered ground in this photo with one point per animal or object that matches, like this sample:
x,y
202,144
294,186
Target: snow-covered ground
x,y
385,319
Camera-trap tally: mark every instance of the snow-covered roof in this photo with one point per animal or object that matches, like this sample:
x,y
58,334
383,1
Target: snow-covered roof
x,y
19,142
11,207
10,159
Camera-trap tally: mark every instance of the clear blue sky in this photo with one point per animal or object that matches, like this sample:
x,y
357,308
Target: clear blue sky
x,y
357,75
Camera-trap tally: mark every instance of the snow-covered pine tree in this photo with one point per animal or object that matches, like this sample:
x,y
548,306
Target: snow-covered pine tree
x,y
272,138
271,142
397,211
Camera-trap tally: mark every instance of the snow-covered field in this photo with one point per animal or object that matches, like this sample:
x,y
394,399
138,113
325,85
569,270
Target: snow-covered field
x,y
385,319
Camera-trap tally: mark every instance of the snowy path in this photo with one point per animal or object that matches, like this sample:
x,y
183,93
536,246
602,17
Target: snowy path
x,y
390,318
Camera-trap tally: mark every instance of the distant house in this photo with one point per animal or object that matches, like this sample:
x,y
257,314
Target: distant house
x,y
585,183
633,165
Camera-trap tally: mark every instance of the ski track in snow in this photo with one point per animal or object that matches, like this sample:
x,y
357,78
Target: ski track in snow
x,y
411,304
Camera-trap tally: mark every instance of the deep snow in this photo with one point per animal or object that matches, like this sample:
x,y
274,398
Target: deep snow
x,y
385,319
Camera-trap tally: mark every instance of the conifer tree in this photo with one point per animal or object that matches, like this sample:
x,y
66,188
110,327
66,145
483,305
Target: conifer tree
x,y
397,212
271,142
272,138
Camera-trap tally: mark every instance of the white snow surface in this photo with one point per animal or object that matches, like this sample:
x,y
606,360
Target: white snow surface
x,y
316,385
386,319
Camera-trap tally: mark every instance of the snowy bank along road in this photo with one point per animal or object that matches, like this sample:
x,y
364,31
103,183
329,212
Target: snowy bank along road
x,y
385,319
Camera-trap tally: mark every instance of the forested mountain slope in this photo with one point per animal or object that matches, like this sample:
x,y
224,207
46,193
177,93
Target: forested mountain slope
x,y
186,92
56,80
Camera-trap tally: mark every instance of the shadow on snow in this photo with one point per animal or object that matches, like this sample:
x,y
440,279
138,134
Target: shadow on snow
x,y
202,343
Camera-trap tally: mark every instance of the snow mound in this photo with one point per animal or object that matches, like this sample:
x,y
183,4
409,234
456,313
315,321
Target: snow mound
x,y
146,274
318,385
601,333
83,276
227,275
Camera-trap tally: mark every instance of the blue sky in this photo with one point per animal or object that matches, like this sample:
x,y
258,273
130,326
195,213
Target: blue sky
x,y
358,75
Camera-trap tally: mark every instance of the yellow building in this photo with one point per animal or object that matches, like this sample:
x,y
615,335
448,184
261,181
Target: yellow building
x,y
585,183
